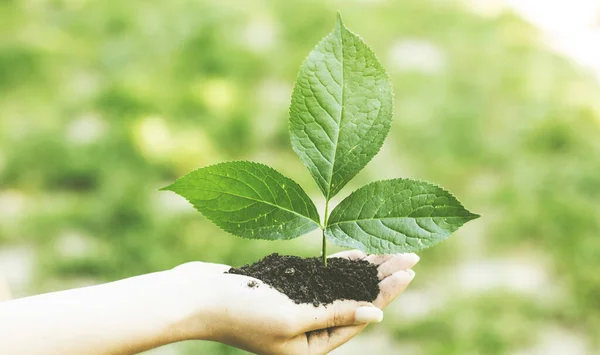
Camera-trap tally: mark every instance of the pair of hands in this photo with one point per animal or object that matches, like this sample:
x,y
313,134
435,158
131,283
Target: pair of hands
x,y
264,321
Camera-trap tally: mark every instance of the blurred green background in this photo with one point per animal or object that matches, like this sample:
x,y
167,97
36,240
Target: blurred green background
x,y
103,102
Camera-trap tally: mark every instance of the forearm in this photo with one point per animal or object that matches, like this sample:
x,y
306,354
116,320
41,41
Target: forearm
x,y
123,317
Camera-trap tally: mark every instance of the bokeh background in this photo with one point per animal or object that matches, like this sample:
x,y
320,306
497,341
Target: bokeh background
x,y
104,102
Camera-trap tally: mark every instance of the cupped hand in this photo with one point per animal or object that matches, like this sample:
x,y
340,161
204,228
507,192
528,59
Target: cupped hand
x,y
262,320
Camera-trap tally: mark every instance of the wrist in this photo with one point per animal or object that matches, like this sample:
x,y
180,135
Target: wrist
x,y
190,305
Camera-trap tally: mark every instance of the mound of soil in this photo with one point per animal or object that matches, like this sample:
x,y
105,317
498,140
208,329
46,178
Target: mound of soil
x,y
306,280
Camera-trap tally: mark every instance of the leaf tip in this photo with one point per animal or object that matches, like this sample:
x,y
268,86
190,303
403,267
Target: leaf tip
x,y
340,22
471,216
166,188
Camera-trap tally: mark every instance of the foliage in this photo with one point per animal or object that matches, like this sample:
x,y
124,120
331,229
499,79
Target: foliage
x,y
250,200
341,109
398,215
340,114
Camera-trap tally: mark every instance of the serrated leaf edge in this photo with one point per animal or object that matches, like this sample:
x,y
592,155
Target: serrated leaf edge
x,y
168,188
471,216
387,76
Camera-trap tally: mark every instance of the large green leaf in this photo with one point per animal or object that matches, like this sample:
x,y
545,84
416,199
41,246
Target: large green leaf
x,y
249,200
399,215
341,109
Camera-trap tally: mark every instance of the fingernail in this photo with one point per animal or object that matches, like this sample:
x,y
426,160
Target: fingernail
x,y
414,258
405,276
368,315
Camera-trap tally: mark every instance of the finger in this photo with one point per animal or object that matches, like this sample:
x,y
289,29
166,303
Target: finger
x,y
339,313
322,342
379,259
349,254
392,286
397,262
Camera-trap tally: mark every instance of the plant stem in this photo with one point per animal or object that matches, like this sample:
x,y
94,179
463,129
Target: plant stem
x,y
324,247
324,251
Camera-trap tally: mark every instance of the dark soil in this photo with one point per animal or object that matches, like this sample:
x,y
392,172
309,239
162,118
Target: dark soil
x,y
306,280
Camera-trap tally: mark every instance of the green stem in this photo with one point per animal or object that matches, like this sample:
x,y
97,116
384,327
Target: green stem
x,y
324,252
324,247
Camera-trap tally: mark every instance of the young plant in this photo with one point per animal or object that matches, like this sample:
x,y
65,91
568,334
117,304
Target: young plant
x,y
340,114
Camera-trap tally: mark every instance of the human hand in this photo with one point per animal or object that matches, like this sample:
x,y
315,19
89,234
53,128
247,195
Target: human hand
x,y
262,320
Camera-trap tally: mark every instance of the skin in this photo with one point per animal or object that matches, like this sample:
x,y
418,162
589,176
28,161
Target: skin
x,y
194,301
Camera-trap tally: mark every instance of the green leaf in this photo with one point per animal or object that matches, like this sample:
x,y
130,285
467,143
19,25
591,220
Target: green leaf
x,y
250,200
399,215
341,109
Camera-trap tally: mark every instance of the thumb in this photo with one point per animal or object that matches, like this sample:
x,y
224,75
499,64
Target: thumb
x,y
341,313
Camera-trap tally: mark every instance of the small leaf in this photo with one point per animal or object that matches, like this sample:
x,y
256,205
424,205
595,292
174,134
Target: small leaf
x,y
250,200
399,215
341,109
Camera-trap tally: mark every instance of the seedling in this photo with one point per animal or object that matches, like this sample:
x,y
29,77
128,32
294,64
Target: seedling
x,y
340,114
